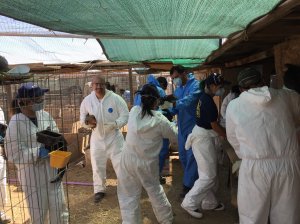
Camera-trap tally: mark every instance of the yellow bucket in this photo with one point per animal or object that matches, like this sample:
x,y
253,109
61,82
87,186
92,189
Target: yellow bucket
x,y
59,159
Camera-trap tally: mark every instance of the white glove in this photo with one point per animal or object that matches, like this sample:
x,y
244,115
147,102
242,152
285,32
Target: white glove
x,y
110,126
236,166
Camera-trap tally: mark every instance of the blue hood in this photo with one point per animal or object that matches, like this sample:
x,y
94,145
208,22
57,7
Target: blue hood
x,y
152,80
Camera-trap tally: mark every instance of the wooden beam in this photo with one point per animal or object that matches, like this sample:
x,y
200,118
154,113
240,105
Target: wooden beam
x,y
9,99
250,59
284,9
166,66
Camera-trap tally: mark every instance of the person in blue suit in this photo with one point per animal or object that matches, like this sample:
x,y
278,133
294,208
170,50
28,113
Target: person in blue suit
x,y
166,143
185,102
150,80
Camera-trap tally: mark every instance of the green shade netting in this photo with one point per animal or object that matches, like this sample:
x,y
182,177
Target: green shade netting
x,y
142,50
140,18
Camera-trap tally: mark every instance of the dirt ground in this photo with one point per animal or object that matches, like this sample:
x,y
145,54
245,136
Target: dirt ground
x,y
83,209
79,194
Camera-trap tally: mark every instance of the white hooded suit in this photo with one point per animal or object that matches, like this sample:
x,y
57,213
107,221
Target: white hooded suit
x,y
260,125
2,170
34,174
104,143
139,166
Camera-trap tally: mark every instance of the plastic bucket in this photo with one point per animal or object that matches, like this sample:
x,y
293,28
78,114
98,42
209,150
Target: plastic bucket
x,y
59,159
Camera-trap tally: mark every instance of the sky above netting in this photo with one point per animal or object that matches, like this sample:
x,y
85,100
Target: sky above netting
x,y
23,43
144,30
47,50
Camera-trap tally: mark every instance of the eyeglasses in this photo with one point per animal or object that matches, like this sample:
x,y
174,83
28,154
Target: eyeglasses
x,y
38,99
98,84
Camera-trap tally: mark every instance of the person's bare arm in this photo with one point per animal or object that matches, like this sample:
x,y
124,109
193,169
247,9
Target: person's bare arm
x,y
219,129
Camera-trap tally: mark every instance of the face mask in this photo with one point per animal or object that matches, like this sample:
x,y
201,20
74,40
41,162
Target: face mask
x,y
177,81
220,92
38,106
284,87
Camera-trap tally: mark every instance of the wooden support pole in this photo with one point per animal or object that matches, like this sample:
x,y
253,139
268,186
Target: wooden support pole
x,y
9,99
130,85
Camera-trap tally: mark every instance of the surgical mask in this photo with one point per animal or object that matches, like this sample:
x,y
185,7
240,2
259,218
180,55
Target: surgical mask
x,y
177,81
38,106
220,92
284,87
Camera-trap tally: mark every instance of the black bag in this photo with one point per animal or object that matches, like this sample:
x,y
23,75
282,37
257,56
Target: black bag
x,y
53,141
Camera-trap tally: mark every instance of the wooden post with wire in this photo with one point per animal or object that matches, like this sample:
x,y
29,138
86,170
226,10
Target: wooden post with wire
x,y
130,85
9,99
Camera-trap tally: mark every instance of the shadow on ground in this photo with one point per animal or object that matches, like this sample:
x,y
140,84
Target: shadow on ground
x,y
83,209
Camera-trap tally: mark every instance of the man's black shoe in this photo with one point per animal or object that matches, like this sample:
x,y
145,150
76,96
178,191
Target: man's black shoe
x,y
98,197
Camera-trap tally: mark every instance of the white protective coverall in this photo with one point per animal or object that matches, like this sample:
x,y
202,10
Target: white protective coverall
x,y
2,170
260,126
104,143
202,194
2,183
45,200
224,105
139,166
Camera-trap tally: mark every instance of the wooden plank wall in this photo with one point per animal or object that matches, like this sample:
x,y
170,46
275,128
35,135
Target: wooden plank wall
x,y
287,52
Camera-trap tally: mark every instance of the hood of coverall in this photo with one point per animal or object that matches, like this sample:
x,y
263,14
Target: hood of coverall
x,y
142,125
260,95
152,80
142,135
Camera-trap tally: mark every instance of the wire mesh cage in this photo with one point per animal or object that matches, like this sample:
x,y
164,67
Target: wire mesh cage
x,y
31,195
27,194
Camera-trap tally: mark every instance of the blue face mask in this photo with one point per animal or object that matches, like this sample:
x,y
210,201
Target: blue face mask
x,y
220,92
177,81
38,106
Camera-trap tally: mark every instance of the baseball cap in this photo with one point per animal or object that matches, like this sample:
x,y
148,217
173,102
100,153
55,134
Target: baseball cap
x,y
30,90
248,76
216,79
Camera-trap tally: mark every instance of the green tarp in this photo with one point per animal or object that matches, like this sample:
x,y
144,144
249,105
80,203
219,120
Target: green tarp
x,y
120,20
158,50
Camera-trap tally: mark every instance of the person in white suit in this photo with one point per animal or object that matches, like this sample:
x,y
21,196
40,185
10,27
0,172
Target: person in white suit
x,y
140,158
202,139
45,200
105,112
261,126
3,181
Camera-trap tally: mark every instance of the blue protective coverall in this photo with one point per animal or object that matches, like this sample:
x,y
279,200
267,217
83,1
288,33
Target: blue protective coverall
x,y
150,80
186,103
137,102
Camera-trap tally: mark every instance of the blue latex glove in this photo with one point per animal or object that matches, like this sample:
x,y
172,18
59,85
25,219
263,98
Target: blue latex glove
x,y
43,152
